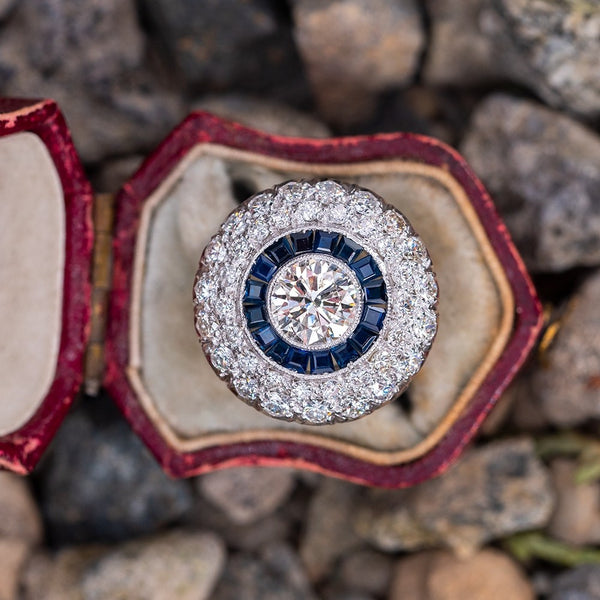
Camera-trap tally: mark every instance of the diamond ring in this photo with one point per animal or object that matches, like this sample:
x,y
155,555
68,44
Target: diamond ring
x,y
316,302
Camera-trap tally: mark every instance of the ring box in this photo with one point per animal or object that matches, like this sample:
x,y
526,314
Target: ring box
x,y
144,345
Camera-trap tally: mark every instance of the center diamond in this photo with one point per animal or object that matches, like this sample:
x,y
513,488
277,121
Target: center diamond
x,y
314,301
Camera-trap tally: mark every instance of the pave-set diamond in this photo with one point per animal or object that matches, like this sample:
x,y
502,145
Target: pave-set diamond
x,y
316,302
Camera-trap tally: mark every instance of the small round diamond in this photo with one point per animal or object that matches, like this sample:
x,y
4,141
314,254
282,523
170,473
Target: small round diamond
x,y
314,301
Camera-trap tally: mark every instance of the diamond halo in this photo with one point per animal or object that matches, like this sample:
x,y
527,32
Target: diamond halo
x,y
324,316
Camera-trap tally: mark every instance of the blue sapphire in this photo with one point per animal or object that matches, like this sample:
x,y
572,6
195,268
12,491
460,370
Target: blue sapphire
x,y
256,316
362,338
375,292
302,241
297,360
344,354
325,241
321,362
280,251
264,268
255,292
373,317
265,337
366,268
347,250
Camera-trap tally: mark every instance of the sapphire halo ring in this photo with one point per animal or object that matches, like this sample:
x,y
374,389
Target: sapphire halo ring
x,y
316,302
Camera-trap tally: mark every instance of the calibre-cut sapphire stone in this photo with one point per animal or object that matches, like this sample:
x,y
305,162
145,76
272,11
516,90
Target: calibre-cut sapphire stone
x,y
256,316
265,337
347,250
279,351
373,317
366,268
264,268
325,241
302,241
280,251
255,292
375,292
297,360
344,354
362,338
321,362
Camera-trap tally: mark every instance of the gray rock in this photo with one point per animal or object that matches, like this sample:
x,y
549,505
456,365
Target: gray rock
x,y
277,526
581,583
58,576
489,575
354,49
220,44
182,565
493,491
543,171
90,57
551,46
102,484
366,571
19,516
275,574
459,52
328,533
576,518
247,494
566,386
265,115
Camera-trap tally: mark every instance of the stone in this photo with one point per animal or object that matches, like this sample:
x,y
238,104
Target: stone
x,y
493,491
576,517
19,516
247,494
541,168
328,532
177,564
58,576
314,302
566,384
13,554
489,574
91,58
275,574
551,47
366,571
580,583
101,483
459,52
355,49
221,44
265,115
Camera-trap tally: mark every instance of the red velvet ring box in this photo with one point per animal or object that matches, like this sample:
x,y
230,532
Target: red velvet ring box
x,y
144,344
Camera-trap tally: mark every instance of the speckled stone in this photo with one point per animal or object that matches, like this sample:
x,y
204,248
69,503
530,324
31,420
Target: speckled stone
x,y
354,49
543,171
489,575
567,384
493,491
246,494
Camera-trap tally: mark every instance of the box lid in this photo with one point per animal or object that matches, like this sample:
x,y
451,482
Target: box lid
x,y
45,251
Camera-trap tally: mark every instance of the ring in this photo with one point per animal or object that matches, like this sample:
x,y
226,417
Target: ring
x,y
316,302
